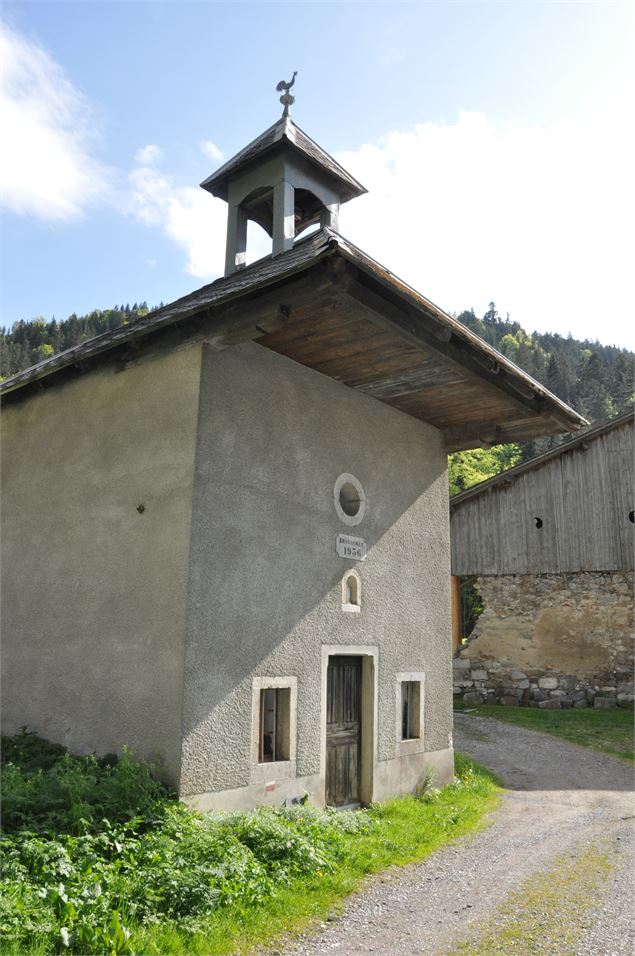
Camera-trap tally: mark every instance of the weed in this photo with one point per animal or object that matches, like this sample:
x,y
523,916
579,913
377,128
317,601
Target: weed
x,y
98,857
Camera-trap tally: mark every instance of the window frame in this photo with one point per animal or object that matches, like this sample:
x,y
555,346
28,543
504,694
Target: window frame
x,y
354,608
409,745
262,771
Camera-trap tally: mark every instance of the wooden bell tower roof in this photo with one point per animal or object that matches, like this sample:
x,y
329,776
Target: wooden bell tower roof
x,y
283,136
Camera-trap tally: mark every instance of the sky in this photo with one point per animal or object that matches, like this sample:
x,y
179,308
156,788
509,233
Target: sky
x,y
496,141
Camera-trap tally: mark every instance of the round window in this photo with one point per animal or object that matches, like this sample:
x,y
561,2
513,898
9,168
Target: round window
x,y
349,499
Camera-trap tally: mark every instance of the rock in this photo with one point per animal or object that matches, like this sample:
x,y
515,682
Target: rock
x,y
604,703
549,704
548,683
625,700
539,695
579,703
522,684
508,691
479,675
459,664
464,683
508,701
518,675
472,697
569,682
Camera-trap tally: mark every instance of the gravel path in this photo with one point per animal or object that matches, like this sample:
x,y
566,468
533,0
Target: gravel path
x,y
561,800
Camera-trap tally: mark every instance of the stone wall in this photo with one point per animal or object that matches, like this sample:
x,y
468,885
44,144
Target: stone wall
x,y
550,641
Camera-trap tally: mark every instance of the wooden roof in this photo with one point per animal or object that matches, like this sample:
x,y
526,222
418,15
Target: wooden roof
x,y
580,441
328,306
283,132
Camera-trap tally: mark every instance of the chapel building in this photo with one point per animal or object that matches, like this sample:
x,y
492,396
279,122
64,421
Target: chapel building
x,y
225,525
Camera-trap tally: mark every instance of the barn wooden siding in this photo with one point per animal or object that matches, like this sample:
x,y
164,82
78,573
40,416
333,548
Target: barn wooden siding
x,y
582,495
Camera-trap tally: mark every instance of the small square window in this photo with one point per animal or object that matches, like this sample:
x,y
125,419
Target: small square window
x,y
275,722
410,709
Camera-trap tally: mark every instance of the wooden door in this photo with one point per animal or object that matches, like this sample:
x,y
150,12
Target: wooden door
x,y
343,730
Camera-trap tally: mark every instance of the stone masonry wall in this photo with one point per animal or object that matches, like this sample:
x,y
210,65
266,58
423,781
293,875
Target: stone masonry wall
x,y
550,641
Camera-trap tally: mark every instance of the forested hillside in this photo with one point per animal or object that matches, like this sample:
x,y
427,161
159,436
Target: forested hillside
x,y
597,380
28,343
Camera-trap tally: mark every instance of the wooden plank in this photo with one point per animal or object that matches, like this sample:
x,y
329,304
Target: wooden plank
x,y
456,613
343,730
583,497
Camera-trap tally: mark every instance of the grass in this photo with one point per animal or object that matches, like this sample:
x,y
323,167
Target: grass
x,y
405,830
547,914
610,731
157,877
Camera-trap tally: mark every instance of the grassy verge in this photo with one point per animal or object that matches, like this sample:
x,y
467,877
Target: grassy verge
x,y
99,858
547,914
610,731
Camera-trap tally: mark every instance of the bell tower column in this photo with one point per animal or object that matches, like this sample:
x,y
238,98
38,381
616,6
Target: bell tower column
x,y
283,217
236,247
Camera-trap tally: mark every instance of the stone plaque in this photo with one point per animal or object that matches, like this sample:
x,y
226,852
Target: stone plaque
x,y
352,548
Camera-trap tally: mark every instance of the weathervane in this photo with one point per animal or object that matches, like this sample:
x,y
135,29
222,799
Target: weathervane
x,y
286,99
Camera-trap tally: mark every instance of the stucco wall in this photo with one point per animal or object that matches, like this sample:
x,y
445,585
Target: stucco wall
x,y
265,578
94,592
550,637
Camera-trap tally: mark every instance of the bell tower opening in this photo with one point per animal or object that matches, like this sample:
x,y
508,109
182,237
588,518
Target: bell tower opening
x,y
284,182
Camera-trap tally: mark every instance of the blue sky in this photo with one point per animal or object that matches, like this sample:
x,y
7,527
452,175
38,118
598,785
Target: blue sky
x,y
496,141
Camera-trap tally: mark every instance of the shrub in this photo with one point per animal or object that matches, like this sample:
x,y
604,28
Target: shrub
x,y
98,857
47,790
93,846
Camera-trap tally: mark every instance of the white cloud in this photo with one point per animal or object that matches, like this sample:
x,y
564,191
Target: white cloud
x,y
148,155
539,219
191,217
47,168
211,149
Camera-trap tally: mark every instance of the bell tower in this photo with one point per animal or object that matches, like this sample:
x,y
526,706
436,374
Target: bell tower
x,y
283,181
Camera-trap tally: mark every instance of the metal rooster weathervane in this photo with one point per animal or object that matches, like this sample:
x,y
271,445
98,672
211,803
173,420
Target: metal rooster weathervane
x,y
286,99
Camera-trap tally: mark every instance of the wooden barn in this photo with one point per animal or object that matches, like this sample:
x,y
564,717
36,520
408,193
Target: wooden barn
x,y
548,546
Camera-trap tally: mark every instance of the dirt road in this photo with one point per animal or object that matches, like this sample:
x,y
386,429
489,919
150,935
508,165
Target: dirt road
x,y
563,801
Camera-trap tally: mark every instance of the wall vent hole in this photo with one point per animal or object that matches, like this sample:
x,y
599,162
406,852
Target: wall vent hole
x,y
631,517
350,501
538,522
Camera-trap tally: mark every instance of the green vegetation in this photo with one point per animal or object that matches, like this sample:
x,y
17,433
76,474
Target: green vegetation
x,y
547,914
597,380
467,468
98,857
610,731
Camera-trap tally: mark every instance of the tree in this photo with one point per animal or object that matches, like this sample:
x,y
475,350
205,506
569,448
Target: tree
x,y
467,468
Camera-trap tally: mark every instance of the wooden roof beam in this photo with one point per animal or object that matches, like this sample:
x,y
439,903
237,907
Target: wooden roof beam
x,y
421,328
